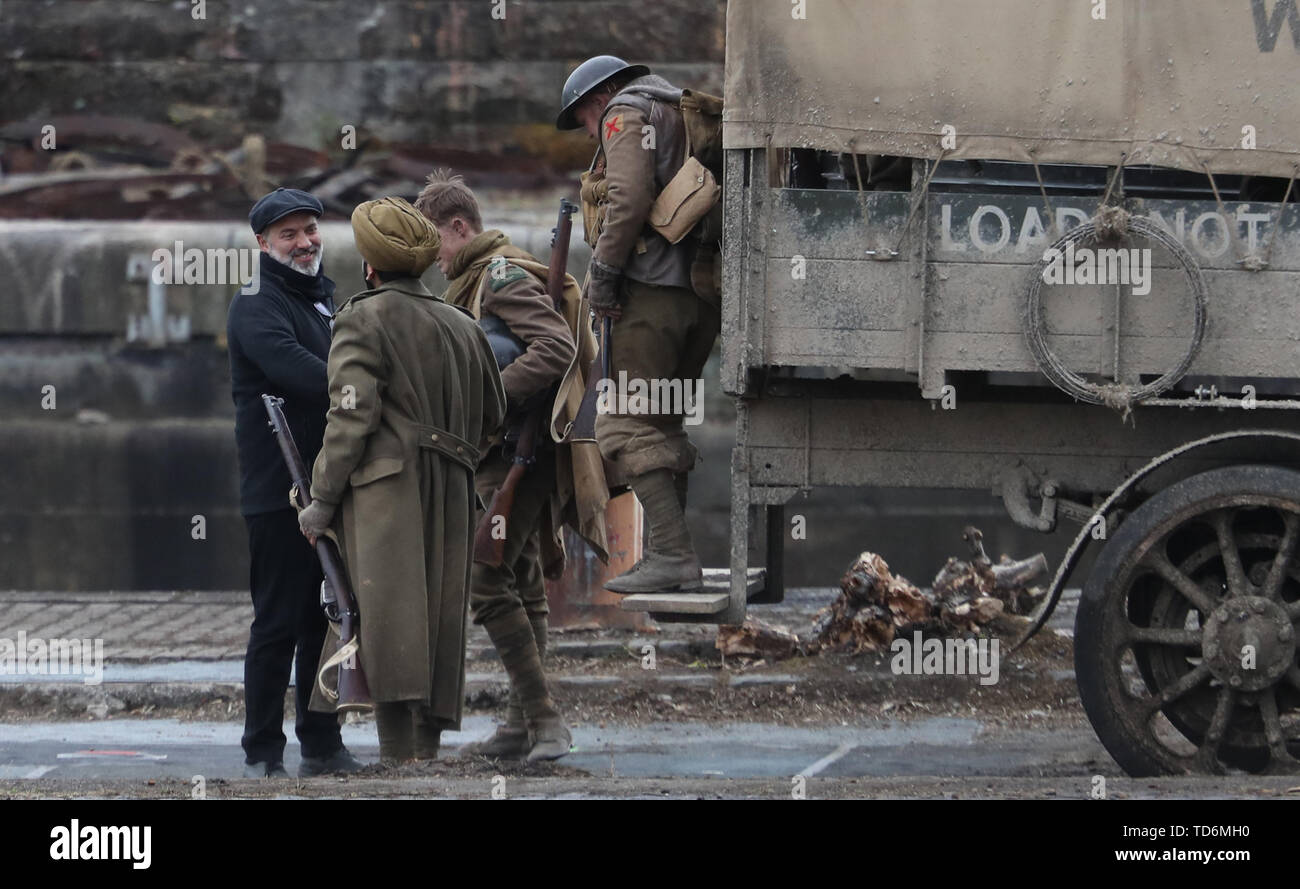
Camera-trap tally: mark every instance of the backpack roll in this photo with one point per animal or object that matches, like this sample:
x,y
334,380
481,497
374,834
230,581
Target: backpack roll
x,y
702,114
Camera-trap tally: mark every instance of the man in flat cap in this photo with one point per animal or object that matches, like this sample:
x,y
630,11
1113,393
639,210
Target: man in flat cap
x,y
279,337
414,391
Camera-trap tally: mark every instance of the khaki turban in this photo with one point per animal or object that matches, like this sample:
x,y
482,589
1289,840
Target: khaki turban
x,y
393,236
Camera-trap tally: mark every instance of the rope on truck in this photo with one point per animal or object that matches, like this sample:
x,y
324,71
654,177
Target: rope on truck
x,y
1275,221
1112,223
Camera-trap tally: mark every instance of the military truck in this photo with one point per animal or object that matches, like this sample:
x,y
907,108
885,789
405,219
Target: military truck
x,y
1053,254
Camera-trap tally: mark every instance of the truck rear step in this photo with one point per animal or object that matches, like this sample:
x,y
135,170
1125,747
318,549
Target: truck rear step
x,y
695,607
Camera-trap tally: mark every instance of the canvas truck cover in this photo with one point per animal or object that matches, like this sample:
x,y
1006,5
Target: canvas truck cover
x,y
1176,83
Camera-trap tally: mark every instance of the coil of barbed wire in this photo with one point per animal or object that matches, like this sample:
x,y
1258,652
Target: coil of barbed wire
x,y
1109,224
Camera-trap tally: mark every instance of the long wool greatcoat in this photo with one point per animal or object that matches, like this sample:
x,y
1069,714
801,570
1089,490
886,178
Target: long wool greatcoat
x,y
414,391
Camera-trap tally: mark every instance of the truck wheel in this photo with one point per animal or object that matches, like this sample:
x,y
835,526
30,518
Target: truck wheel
x,y
1185,640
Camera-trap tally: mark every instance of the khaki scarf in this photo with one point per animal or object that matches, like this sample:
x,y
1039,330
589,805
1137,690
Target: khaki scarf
x,y
466,275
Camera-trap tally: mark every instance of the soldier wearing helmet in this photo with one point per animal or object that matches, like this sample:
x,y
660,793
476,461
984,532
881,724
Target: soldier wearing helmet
x,y
664,304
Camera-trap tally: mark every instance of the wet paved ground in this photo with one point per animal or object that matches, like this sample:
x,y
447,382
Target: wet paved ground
x,y
153,748
195,641
130,748
937,758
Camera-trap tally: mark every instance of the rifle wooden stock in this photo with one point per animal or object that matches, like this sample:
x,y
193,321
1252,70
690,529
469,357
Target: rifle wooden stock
x,y
490,536
584,425
559,265
353,690
489,547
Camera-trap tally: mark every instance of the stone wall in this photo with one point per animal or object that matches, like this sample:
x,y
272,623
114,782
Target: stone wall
x,y
440,72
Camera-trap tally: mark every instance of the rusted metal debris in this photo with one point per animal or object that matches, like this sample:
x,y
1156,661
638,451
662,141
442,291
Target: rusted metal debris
x,y
112,194
107,139
106,167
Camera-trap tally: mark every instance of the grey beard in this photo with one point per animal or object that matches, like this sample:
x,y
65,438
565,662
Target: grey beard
x,y
287,259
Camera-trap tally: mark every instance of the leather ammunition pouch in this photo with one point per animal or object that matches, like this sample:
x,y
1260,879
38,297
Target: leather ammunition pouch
x,y
685,200
706,274
710,227
594,194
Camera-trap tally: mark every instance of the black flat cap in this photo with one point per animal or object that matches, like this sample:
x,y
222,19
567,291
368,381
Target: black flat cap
x,y
279,204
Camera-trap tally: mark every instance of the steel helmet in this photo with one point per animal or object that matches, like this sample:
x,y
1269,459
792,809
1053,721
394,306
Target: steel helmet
x,y
588,76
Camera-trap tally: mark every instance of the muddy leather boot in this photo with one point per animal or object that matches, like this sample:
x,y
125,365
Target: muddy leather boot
x,y
513,636
670,564
552,740
396,732
426,733
549,738
510,739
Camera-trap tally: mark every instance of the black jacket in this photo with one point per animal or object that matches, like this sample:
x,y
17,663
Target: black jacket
x,y
279,343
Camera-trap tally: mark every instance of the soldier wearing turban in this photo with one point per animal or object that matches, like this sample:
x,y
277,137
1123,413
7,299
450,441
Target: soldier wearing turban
x,y
414,392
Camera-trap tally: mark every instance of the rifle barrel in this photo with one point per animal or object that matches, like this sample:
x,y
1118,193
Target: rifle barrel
x,y
353,689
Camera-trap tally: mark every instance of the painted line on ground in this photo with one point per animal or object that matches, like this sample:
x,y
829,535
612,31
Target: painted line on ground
x,y
25,772
830,758
125,754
